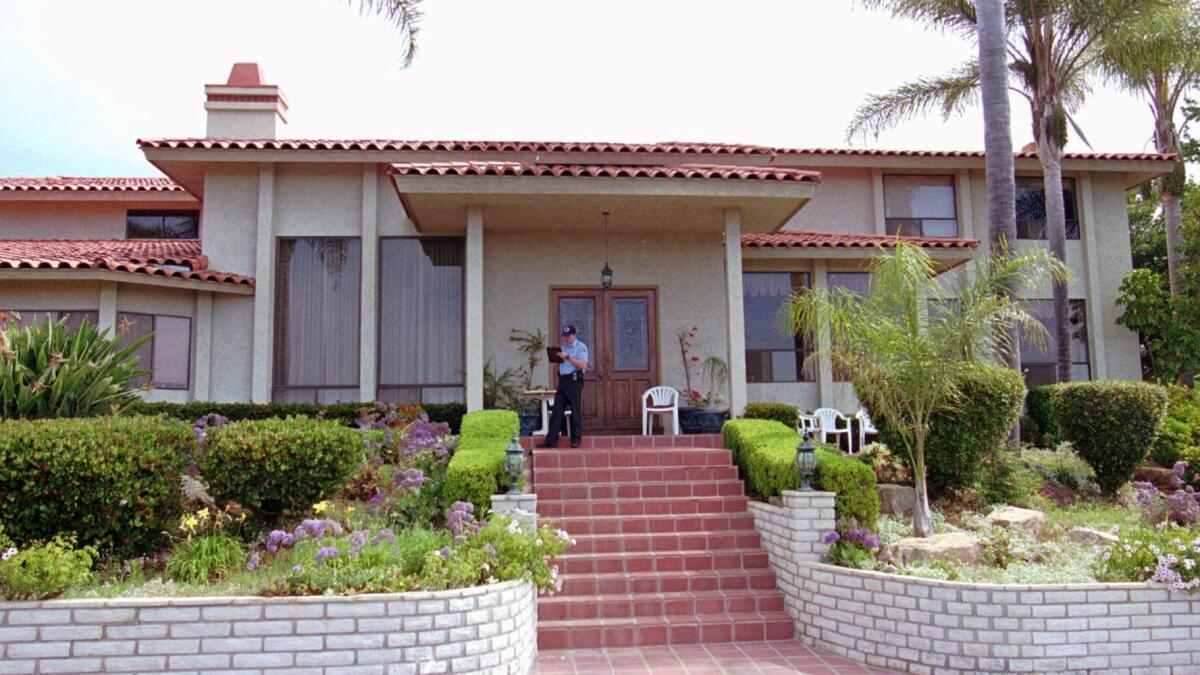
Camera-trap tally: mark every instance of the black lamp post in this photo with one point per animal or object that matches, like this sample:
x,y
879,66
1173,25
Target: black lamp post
x,y
514,463
606,274
806,462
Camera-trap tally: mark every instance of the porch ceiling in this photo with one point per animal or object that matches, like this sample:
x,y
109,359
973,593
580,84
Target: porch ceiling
x,y
528,196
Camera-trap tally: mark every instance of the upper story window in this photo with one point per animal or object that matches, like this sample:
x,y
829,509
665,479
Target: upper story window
x,y
1031,208
920,206
162,225
858,283
774,354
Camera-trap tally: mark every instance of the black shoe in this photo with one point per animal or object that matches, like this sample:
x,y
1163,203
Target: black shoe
x,y
574,444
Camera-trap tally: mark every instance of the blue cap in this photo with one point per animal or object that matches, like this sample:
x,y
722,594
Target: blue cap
x,y
568,330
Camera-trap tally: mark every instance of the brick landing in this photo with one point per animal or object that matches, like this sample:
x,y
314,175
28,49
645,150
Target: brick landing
x,y
733,659
667,552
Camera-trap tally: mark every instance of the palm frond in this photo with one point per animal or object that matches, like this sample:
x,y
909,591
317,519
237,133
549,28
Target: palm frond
x,y
950,94
953,15
405,15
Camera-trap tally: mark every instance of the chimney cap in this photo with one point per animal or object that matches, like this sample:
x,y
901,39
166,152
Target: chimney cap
x,y
246,75
1028,147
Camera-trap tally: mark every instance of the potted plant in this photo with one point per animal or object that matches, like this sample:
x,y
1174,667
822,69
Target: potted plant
x,y
701,413
528,408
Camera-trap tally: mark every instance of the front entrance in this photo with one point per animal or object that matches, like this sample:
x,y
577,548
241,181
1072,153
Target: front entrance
x,y
620,328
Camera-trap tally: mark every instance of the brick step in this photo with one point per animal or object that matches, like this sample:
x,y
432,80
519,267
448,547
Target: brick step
x,y
543,477
644,543
663,506
581,526
628,605
657,630
661,561
667,582
623,458
706,488
628,441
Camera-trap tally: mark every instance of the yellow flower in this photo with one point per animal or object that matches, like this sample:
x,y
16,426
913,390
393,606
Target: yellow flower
x,y
188,523
349,510
320,507
202,513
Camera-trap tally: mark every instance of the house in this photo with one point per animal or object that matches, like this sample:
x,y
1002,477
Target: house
x,y
275,269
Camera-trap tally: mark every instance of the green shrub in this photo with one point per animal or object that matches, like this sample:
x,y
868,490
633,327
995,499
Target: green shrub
x,y
766,454
113,481
1136,556
347,413
279,466
415,544
1005,479
788,415
45,569
1041,413
476,471
960,440
1181,429
205,558
49,371
1111,424
1062,465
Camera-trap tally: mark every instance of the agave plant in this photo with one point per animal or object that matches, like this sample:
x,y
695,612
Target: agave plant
x,y
47,370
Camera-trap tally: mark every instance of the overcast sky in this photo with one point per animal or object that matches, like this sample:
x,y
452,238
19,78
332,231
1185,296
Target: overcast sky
x,y
81,81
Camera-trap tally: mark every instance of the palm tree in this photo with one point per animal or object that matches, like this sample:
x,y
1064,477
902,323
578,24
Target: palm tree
x,y
1159,58
1053,47
909,340
405,15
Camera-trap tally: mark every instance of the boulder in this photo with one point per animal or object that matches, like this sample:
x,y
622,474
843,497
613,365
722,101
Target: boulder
x,y
896,500
1029,520
950,546
1163,479
1089,537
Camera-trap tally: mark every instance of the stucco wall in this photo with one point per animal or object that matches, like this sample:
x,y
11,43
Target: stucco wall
x,y
232,348
521,267
231,217
51,219
49,295
843,202
318,200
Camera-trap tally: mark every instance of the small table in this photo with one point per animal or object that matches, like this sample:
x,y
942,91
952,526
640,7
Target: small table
x,y
545,396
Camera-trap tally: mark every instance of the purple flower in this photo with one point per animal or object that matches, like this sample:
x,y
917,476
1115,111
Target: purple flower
x,y
317,528
358,540
296,569
831,537
384,535
444,552
409,479
460,519
489,549
252,564
278,539
327,552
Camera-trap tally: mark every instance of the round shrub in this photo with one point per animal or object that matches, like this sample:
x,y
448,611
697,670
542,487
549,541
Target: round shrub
x,y
1180,436
961,439
112,481
788,415
1111,424
277,466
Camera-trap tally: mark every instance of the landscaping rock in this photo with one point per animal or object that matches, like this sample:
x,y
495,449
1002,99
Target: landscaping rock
x,y
1163,479
950,546
1089,537
1029,520
896,500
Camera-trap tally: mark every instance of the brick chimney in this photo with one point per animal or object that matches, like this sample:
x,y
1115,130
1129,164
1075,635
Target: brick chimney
x,y
244,107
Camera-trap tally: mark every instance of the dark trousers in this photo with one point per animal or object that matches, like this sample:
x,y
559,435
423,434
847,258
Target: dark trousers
x,y
569,392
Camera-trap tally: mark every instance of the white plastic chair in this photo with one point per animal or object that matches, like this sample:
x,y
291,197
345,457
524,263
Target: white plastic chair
x,y
808,424
827,425
865,426
660,401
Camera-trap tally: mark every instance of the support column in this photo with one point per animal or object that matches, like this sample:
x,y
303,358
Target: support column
x,y
878,208
202,379
1094,297
474,328
106,316
368,339
824,363
735,316
962,194
264,289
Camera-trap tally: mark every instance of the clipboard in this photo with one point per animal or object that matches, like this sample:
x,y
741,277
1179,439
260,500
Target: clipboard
x,y
554,354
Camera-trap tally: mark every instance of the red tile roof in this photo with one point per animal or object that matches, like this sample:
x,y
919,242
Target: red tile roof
x,y
812,239
673,147
87,184
703,171
136,256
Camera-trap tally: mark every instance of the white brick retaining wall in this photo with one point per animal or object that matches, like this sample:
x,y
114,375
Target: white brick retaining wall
x,y
928,626
489,629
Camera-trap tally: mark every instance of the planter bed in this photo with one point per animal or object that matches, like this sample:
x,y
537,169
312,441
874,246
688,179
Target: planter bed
x,y
481,629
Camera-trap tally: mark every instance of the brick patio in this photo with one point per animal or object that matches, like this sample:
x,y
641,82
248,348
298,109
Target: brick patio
x,y
732,658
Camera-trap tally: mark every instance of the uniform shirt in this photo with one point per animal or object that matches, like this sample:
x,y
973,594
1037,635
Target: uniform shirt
x,y
577,351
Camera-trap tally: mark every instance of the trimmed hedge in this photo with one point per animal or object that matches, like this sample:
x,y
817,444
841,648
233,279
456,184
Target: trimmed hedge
x,y
1112,425
476,470
279,466
765,450
1180,437
788,415
113,481
961,440
347,413
1037,404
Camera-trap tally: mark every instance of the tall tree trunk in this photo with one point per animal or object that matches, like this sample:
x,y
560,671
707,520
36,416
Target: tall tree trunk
x,y
1050,153
1172,187
922,516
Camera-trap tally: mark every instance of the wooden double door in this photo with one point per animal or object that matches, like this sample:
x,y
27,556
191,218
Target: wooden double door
x,y
620,329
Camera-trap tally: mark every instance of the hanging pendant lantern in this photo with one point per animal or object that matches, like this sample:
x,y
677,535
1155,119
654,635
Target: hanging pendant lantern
x,y
606,274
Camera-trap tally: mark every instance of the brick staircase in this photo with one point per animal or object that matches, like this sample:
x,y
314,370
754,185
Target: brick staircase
x,y
667,553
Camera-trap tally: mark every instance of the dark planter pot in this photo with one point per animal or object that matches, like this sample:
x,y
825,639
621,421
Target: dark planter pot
x,y
530,422
696,420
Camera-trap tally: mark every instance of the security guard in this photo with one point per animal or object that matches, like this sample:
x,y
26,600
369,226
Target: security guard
x,y
570,389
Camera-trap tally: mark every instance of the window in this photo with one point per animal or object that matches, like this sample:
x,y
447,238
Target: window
x,y
167,354
1038,362
857,282
1031,208
421,320
162,225
773,354
317,320
920,206
74,317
